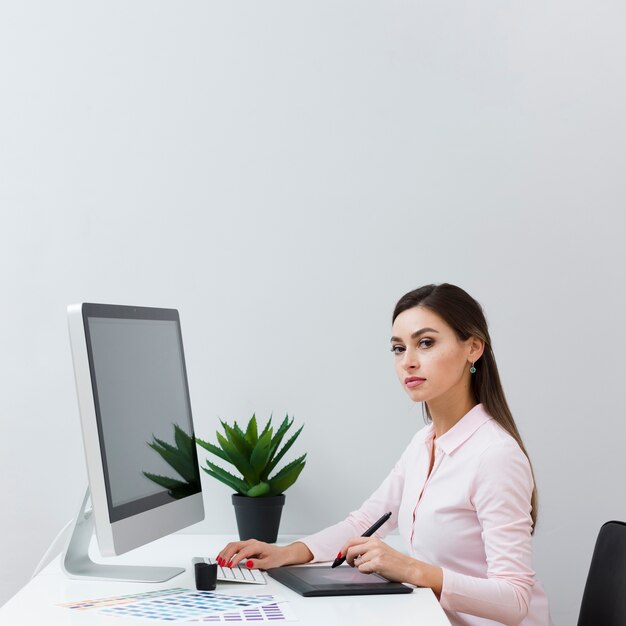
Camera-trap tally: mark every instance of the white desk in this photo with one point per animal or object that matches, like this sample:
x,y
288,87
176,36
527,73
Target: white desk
x,y
36,604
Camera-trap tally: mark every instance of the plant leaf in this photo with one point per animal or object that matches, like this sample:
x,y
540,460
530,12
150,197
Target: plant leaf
x,y
214,449
280,433
261,453
240,433
238,439
238,460
262,489
289,466
274,462
267,427
251,431
287,476
227,478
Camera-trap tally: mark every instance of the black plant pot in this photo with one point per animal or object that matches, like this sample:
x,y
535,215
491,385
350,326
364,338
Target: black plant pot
x,y
258,518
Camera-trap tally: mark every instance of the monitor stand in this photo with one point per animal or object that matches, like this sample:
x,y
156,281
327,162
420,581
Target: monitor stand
x,y
77,564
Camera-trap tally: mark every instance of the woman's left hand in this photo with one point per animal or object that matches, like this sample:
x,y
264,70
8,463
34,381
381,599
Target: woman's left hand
x,y
370,555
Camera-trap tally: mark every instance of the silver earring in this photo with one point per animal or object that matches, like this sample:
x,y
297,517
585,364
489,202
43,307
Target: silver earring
x,y
473,369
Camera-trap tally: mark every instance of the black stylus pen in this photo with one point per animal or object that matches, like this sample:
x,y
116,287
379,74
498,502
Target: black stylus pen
x,y
368,533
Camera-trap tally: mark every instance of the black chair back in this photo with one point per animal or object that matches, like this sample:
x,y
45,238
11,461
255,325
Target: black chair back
x,y
604,599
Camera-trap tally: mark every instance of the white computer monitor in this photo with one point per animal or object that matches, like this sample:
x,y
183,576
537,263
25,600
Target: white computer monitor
x,y
138,435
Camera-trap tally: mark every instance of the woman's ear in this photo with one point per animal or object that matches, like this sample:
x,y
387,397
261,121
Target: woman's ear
x,y
477,347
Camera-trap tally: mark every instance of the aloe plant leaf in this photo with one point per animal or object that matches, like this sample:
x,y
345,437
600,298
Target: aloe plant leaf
x,y
222,479
274,462
226,477
268,427
238,439
214,449
238,460
289,466
252,435
262,489
240,433
261,453
280,433
287,476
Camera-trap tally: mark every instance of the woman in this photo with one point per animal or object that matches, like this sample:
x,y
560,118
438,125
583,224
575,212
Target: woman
x,y
462,494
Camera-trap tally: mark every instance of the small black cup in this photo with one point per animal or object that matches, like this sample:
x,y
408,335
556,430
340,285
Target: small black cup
x,y
206,576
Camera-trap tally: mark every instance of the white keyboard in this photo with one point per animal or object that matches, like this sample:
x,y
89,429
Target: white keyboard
x,y
236,574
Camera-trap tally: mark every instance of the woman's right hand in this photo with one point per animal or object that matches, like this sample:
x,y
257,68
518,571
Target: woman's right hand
x,y
260,555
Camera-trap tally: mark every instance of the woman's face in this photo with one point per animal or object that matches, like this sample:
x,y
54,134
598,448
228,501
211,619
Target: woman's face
x,y
430,360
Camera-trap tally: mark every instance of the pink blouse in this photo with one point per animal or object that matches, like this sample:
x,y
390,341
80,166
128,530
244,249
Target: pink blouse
x,y
471,517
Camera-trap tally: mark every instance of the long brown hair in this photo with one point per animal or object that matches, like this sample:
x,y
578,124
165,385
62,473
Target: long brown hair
x,y
465,316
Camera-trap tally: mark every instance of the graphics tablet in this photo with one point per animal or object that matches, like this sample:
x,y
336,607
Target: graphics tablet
x,y
313,580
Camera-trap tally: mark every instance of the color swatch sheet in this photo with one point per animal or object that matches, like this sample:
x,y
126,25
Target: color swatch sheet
x,y
186,605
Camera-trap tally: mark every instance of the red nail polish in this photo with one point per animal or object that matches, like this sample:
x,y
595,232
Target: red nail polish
x,y
249,564
230,563
220,561
339,555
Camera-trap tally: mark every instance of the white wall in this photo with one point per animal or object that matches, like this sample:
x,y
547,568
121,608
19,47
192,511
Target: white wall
x,y
282,172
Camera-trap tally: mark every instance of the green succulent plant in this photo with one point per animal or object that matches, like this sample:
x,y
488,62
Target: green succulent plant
x,y
181,458
255,456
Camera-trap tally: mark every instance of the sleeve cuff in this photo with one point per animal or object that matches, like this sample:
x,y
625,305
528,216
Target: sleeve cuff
x,y
447,589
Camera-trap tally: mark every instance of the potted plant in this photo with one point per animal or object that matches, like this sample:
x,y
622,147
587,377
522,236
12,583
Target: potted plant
x,y
259,496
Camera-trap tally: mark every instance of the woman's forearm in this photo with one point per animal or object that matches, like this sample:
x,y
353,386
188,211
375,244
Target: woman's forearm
x,y
425,575
298,553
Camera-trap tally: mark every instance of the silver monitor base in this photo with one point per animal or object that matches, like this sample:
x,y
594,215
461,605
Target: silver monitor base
x,y
77,564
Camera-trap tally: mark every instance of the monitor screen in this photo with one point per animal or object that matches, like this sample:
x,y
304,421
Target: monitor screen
x,y
140,397
138,437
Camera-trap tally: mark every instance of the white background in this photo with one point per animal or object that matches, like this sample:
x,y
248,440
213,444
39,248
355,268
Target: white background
x,y
282,172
